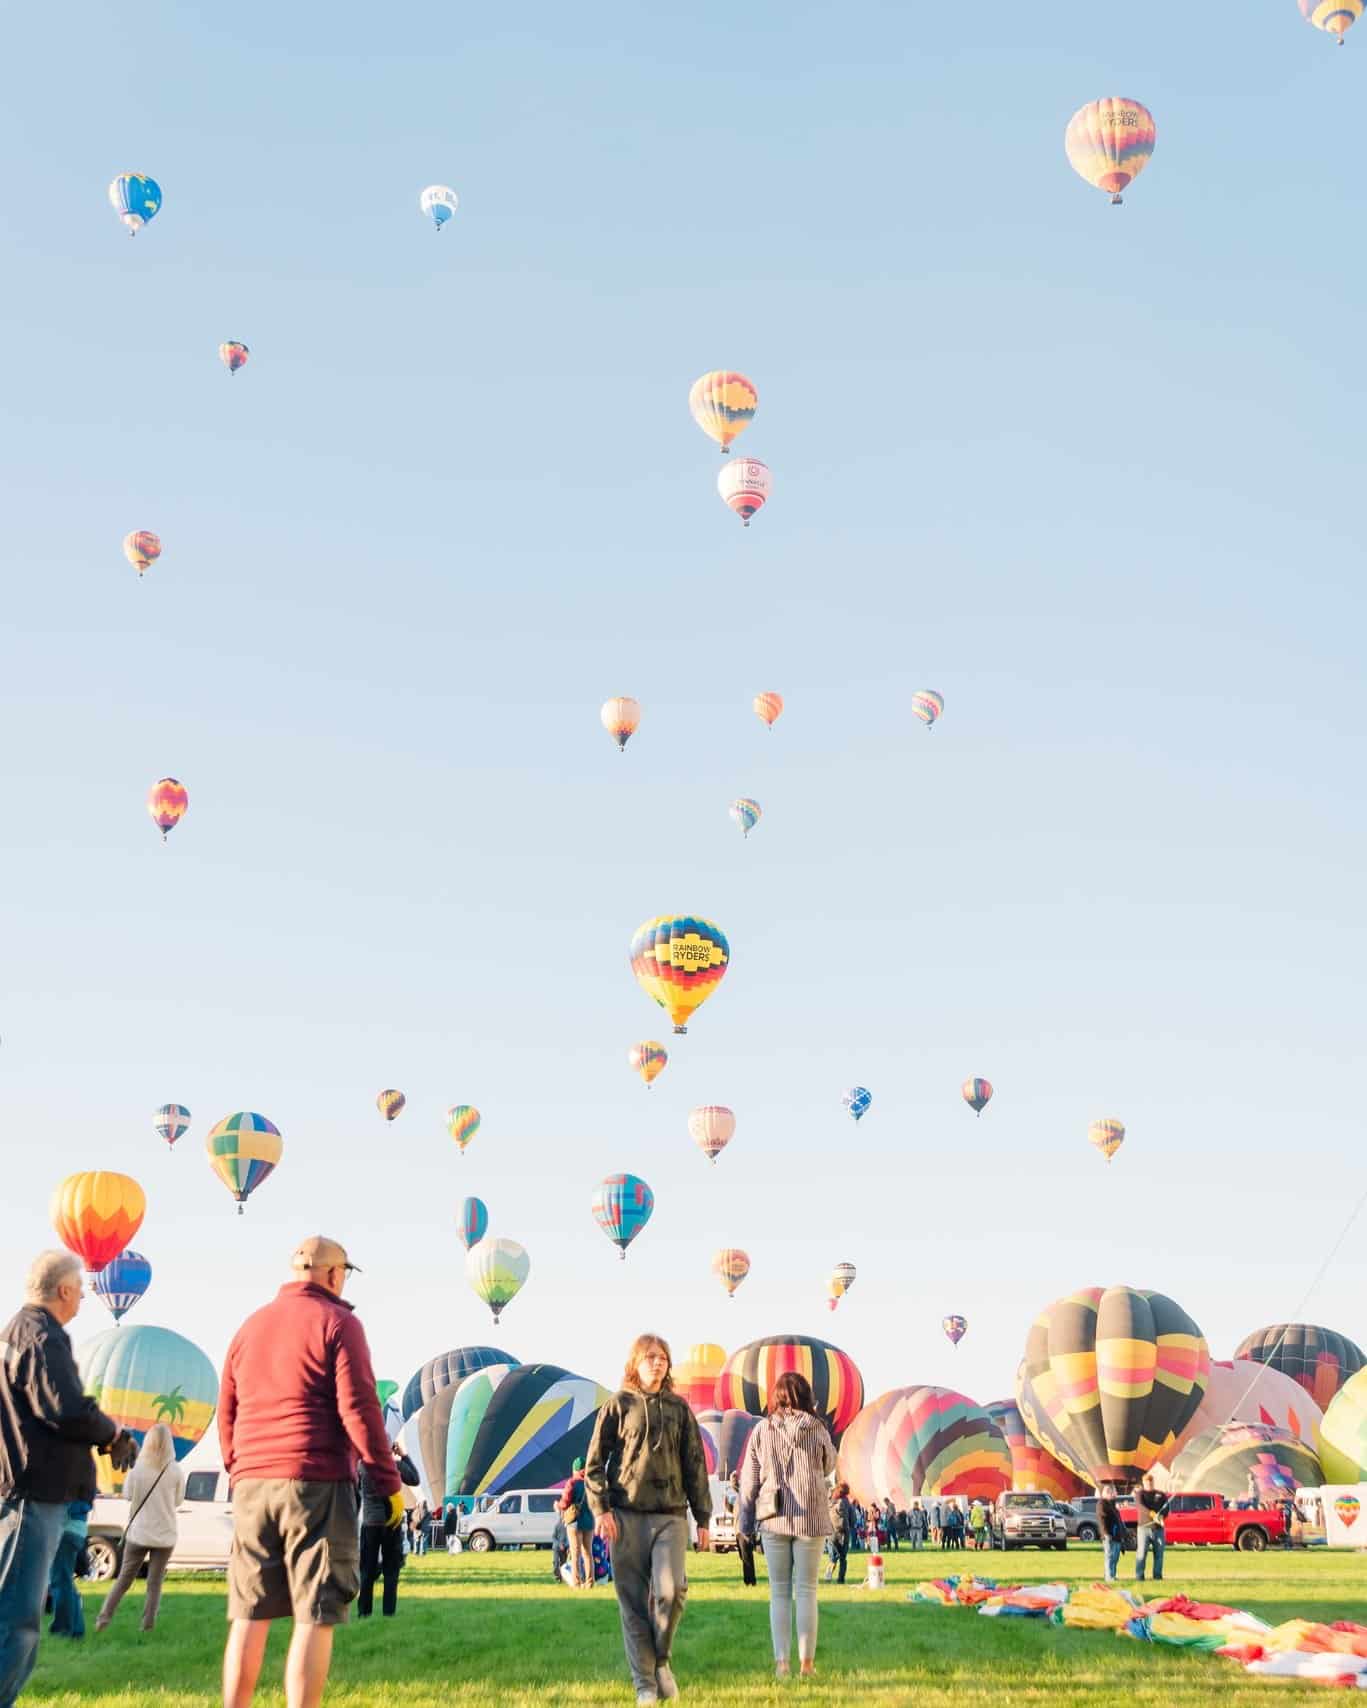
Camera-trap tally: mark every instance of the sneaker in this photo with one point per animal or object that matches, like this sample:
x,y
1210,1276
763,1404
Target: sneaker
x,y
665,1683
645,1697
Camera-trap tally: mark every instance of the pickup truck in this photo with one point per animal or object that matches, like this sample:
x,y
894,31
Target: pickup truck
x,y
1024,1519
1209,1520
204,1528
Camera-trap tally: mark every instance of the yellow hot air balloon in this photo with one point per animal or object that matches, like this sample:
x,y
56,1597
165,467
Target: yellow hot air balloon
x,y
1107,1136
389,1103
96,1214
679,960
723,404
649,1059
1334,17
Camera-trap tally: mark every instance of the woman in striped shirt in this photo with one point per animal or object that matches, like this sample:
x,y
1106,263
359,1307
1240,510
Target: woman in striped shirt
x,y
783,1493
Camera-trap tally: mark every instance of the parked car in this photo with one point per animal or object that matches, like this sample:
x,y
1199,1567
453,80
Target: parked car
x,y
1210,1520
204,1528
1024,1518
519,1518
1079,1515
722,1531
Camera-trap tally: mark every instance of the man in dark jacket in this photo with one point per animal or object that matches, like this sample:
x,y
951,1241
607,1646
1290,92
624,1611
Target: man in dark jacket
x,y
1112,1527
381,1543
48,1426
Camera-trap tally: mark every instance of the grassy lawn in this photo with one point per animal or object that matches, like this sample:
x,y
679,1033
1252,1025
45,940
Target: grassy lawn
x,y
496,1630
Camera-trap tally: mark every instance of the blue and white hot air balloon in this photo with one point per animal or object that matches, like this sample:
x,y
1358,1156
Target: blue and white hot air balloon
x,y
440,201
135,198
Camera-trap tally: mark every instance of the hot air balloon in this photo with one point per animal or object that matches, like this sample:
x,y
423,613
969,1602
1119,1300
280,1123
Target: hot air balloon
x,y
96,1214
1108,142
141,1376
474,1222
750,1373
695,1380
462,1122
1220,1461
1320,1359
730,1266
537,1421
679,961
723,404
427,1435
1107,1135
711,1126
233,355
1342,1437
166,802
135,198
1032,1466
1334,17
445,1371
649,1059
977,1093
1119,1373
385,1392
243,1149
955,1328
857,1101
390,1103
622,1206
840,1281
497,1270
922,1442
122,1282
440,202
620,718
768,708
1244,1391
471,1400
171,1121
745,485
927,705
746,813
142,548
729,1433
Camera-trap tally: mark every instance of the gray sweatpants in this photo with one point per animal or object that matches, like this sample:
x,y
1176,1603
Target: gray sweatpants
x,y
651,1578
793,1562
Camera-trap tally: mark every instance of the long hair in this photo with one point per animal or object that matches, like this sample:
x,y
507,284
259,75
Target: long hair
x,y
642,1344
791,1392
158,1448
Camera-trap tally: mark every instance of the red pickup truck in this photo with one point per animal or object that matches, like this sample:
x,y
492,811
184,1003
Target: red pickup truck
x,y
1209,1519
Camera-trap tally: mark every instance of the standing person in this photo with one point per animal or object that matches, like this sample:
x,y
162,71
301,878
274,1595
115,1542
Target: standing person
x,y
645,1470
977,1523
916,1526
934,1514
450,1526
153,1489
381,1541
574,1507
1151,1508
890,1524
783,1491
297,1408
68,1610
842,1525
419,1519
48,1426
1112,1528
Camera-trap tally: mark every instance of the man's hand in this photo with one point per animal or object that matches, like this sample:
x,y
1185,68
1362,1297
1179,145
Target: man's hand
x,y
123,1451
704,1539
395,1518
606,1527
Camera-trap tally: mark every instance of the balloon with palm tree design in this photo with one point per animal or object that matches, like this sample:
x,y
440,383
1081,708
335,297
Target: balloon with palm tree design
x,y
142,1376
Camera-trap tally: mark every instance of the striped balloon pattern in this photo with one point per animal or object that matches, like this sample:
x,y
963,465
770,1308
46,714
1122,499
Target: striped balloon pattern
x,y
678,961
711,1126
649,1059
695,1380
977,1093
1335,17
1109,142
746,813
243,1150
1243,1391
768,708
745,485
462,1122
142,548
1342,1436
749,1374
1119,1373
470,1404
1221,1461
172,1121
723,404
167,800
622,1206
426,1436
141,1376
122,1282
857,1100
497,1270
1320,1359
918,1442
96,1214
445,1371
1107,1135
725,1436
537,1421
927,705
390,1104
474,1221
730,1266
136,198
1033,1466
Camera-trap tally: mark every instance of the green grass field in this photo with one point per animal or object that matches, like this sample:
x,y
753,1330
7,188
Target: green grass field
x,y
496,1630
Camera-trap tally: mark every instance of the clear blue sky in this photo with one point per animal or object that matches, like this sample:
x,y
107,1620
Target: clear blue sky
x,y
1093,473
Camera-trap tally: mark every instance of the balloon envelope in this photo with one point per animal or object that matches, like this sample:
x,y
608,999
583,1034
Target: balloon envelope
x,y
728,1433
955,1328
621,718
233,355
496,1270
695,1380
1033,1466
622,1206
141,1376
243,1150
96,1214
474,1221
723,404
538,1421
142,548
445,1371
1221,1461
768,707
1107,1135
1342,1436
730,1266
711,1126
136,198
166,803
1109,142
462,1122
746,813
390,1103
439,201
927,705
171,1121
977,1093
1335,17
1320,1359
1244,1391
857,1101
749,1374
745,485
122,1282
649,1059
678,961
916,1442
841,1279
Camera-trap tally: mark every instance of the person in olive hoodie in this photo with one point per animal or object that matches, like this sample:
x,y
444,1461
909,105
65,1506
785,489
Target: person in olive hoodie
x,y
645,1469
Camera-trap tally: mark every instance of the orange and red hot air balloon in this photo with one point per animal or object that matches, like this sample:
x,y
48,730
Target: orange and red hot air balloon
x,y
142,548
768,708
96,1214
166,802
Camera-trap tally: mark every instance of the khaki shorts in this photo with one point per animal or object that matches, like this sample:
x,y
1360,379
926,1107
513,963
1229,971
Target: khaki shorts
x,y
296,1551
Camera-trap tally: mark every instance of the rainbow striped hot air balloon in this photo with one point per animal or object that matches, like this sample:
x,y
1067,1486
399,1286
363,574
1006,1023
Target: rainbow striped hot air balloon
x,y
730,1266
622,1206
723,404
711,1126
390,1104
142,548
921,1442
243,1150
768,708
621,717
649,1059
678,962
462,1122
1109,142
172,1120
474,1221
96,1213
1107,1135
141,1376
927,705
746,813
745,485
122,1282
167,801
1334,17
750,1372
977,1093
233,355
1033,1466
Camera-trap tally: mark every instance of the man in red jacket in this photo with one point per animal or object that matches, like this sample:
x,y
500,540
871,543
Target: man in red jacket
x,y
297,1409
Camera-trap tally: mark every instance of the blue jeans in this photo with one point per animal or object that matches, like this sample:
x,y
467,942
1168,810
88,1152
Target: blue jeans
x,y
68,1611
29,1533
1111,1548
1149,1537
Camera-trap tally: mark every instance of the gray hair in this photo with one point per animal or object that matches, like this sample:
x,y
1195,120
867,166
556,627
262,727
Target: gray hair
x,y
47,1273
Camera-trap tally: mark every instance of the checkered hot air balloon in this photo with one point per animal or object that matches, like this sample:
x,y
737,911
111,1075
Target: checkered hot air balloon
x,y
678,961
857,1100
622,1206
243,1150
172,1121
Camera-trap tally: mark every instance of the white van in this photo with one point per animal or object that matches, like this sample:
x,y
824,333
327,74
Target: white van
x,y
204,1528
521,1518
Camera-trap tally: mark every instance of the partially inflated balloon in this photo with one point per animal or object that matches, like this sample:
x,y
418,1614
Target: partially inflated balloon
x,y
1244,1391
474,1221
955,1329
243,1150
96,1214
1033,1466
695,1380
440,202
142,1376
857,1101
1221,1461
730,1266
729,1433
171,1121
233,355
470,1405
678,961
462,1122
1342,1437
622,1206
496,1270
934,1441
840,1281
1107,1136
621,718
390,1103
445,1370
927,705
746,814
538,1421
977,1093
166,803
745,486
122,1282
749,1375
142,548
1335,17
1320,1359
723,404
768,708
135,198
649,1059
711,1127
1108,142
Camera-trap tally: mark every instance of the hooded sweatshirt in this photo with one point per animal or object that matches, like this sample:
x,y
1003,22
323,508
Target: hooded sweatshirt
x,y
791,1454
647,1456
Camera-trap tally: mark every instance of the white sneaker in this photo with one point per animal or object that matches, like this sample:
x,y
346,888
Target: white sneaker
x,y
666,1684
